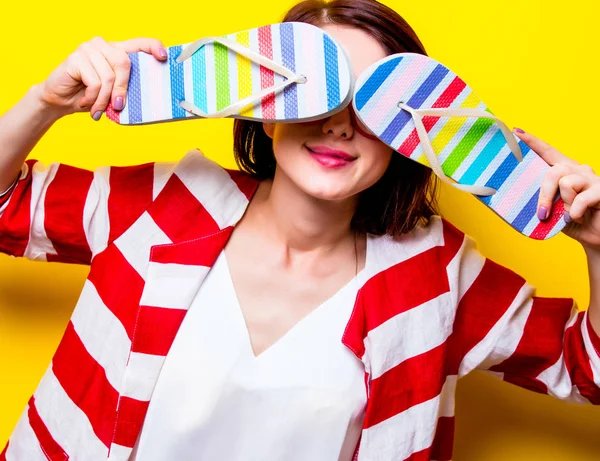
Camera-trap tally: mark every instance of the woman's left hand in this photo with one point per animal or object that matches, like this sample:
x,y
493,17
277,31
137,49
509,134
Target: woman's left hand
x,y
579,188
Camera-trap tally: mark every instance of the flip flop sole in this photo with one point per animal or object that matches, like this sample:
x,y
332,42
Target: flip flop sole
x,y
470,150
216,77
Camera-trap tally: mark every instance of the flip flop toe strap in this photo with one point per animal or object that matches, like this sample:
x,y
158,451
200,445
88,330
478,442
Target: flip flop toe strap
x,y
431,156
236,107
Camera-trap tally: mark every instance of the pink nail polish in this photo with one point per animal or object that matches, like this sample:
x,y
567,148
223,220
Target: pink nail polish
x,y
119,103
162,52
542,213
519,130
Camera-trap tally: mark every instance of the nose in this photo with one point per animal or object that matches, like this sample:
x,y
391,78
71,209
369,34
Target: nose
x,y
344,123
339,124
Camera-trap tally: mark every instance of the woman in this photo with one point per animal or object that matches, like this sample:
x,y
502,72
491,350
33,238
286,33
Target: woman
x,y
315,308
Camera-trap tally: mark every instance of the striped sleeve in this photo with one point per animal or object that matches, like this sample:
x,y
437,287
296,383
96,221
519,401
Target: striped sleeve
x,y
67,214
502,328
4,195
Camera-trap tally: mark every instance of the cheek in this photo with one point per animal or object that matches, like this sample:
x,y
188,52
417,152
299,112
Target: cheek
x,y
377,161
373,168
285,141
290,133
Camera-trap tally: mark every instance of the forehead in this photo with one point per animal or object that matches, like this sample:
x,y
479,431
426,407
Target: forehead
x,y
361,47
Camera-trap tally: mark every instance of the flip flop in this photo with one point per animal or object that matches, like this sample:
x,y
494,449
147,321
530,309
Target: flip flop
x,y
424,111
285,72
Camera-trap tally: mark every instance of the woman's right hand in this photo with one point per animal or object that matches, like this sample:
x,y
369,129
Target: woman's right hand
x,y
96,73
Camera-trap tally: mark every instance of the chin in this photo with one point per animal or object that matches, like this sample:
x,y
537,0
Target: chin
x,y
327,189
323,185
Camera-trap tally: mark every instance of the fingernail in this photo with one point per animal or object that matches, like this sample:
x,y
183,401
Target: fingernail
x,y
162,52
542,213
118,103
519,130
567,217
97,115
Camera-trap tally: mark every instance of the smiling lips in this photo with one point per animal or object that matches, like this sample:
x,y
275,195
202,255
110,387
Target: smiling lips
x,y
330,158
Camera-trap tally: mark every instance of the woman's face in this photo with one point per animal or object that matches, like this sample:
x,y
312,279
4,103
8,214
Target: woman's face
x,y
301,148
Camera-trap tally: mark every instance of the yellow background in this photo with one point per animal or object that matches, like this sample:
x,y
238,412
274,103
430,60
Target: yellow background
x,y
532,61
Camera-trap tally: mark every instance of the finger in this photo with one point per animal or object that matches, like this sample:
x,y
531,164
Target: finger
x,y
147,45
121,65
589,198
548,153
549,188
585,170
86,73
571,185
106,74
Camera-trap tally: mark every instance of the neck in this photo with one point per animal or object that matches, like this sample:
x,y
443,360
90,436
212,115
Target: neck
x,y
300,221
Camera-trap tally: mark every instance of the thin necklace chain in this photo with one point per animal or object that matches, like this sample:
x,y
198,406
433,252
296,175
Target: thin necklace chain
x,y
355,256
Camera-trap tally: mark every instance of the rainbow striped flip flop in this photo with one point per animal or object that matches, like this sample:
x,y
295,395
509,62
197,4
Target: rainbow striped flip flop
x,y
283,72
427,113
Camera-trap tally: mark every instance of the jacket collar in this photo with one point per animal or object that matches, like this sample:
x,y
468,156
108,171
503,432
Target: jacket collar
x,y
199,204
197,209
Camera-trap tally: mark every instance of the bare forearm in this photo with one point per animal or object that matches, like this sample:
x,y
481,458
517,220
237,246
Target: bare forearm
x,y
21,127
593,258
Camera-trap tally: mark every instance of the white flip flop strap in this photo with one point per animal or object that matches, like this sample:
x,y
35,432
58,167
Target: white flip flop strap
x,y
251,55
431,155
459,112
236,107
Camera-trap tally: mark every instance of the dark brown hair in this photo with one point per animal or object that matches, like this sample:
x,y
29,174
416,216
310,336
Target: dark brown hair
x,y
406,193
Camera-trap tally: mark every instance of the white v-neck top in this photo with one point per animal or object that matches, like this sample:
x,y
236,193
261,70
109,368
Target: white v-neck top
x,y
301,399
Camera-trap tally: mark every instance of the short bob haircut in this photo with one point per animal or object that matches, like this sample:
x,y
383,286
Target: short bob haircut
x,y
406,193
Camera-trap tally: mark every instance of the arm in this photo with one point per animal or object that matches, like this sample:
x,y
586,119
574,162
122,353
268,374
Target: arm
x,y
593,258
20,130
63,213
92,75
579,188
60,212
542,344
67,214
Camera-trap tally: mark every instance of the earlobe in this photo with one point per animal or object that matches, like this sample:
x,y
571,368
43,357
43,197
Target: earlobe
x,y
268,128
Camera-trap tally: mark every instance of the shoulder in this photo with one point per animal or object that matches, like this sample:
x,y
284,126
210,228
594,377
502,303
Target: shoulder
x,y
437,257
195,168
439,239
201,189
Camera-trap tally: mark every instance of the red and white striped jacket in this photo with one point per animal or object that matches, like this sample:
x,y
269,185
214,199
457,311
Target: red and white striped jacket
x,y
432,309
